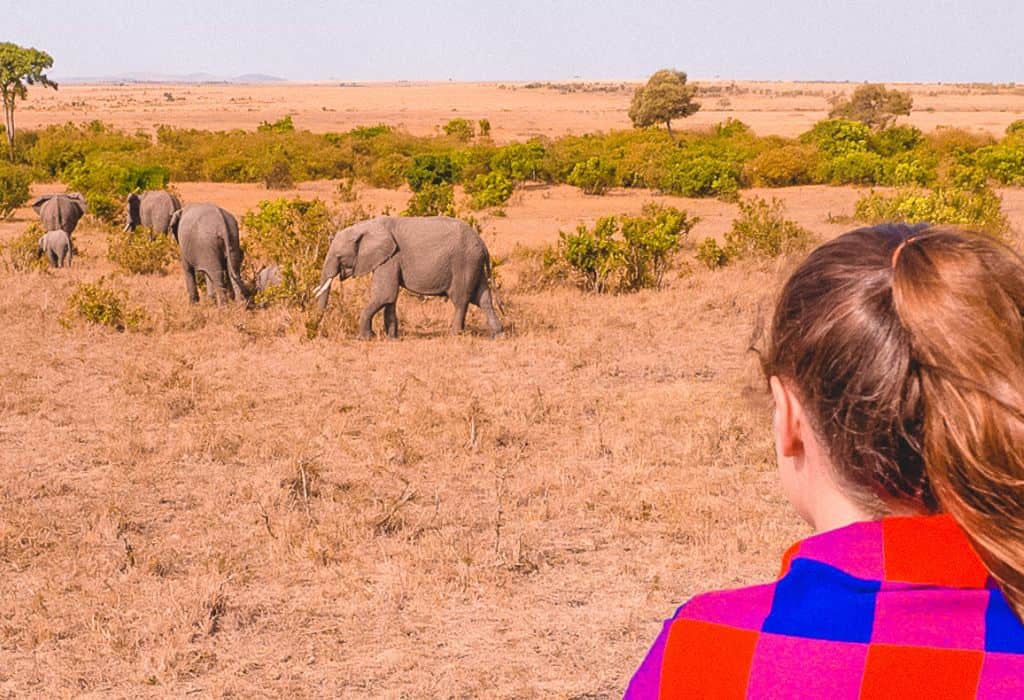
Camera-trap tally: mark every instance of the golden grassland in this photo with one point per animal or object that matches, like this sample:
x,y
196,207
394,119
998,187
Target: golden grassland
x,y
216,506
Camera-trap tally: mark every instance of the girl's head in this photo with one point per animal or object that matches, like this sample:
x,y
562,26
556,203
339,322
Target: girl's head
x,y
902,349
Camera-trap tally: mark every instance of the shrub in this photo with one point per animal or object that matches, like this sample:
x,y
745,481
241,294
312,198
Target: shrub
x,y
14,188
432,200
521,161
761,231
601,260
650,240
283,125
664,97
102,305
837,137
460,129
703,176
389,172
711,254
22,253
490,190
430,169
106,178
1015,129
784,166
1003,162
853,168
896,139
140,252
593,176
485,127
279,177
979,209
293,234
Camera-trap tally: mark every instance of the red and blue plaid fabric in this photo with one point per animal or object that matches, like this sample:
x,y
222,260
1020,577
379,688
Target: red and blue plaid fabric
x,y
898,608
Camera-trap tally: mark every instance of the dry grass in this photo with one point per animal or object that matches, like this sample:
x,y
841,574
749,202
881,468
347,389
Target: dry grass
x,y
220,507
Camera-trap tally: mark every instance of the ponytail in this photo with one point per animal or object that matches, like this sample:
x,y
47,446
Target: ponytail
x,y
960,298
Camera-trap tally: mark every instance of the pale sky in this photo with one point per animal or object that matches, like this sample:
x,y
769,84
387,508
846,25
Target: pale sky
x,y
894,40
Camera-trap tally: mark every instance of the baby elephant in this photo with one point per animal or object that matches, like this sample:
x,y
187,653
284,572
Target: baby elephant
x,y
56,245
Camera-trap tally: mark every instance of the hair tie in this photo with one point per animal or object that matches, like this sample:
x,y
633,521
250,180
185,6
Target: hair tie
x,y
899,249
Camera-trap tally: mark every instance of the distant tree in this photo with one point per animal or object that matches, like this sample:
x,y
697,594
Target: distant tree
x,y
20,67
665,97
872,104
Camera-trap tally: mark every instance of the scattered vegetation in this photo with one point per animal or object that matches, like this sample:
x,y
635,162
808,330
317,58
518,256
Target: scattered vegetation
x,y
140,252
490,190
762,231
293,234
19,68
21,254
979,209
622,253
432,200
14,188
460,129
100,304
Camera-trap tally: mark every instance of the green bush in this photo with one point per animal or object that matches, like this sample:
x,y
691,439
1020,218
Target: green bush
x,y
430,169
140,252
784,166
283,125
521,161
979,209
432,200
837,137
650,240
460,129
896,139
1003,162
711,254
106,178
490,190
389,172
15,182
593,176
1015,129
22,253
623,253
761,231
100,304
279,177
293,234
485,127
852,168
703,176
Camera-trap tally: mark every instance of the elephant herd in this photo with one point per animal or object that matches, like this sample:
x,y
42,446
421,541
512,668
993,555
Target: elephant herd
x,y
429,256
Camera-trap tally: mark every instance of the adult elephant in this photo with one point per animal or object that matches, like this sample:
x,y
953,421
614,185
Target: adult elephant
x,y
152,209
428,255
60,211
208,242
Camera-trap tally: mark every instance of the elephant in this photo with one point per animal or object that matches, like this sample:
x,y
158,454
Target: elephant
x,y
56,245
208,241
152,209
269,276
428,255
60,211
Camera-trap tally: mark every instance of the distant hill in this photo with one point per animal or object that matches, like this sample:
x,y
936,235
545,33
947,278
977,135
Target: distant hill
x,y
190,78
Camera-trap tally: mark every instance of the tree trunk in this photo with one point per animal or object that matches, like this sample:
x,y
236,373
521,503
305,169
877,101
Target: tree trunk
x,y
9,124
668,125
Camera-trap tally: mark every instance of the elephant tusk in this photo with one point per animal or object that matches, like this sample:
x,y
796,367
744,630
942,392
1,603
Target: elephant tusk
x,y
323,287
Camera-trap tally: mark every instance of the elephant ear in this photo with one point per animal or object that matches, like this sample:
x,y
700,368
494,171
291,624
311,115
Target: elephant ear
x,y
78,199
38,204
175,220
376,246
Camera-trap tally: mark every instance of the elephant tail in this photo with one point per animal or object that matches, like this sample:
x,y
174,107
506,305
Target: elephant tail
x,y
234,274
489,279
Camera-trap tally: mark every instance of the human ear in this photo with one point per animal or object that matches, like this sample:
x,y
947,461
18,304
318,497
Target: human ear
x,y
788,419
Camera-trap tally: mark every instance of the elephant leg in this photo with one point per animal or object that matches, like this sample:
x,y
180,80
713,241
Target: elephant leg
x,y
215,279
486,304
190,282
54,260
383,293
390,320
461,304
68,255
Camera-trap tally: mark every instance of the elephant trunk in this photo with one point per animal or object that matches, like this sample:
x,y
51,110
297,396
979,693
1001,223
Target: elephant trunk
x,y
330,271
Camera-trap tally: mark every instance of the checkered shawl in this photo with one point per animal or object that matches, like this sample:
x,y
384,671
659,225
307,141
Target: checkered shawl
x,y
898,608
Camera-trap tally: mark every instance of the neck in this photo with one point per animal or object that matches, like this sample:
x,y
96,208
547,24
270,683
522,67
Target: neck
x,y
832,509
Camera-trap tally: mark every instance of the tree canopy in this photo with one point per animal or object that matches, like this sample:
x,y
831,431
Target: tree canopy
x,y
872,104
19,68
665,97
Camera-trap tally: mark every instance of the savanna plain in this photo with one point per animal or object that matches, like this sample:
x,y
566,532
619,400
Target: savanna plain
x,y
218,506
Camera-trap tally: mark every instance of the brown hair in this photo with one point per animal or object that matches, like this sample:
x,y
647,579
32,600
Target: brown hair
x,y
906,346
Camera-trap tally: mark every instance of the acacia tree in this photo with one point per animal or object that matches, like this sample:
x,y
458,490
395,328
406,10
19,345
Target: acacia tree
x,y
872,104
665,97
19,68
